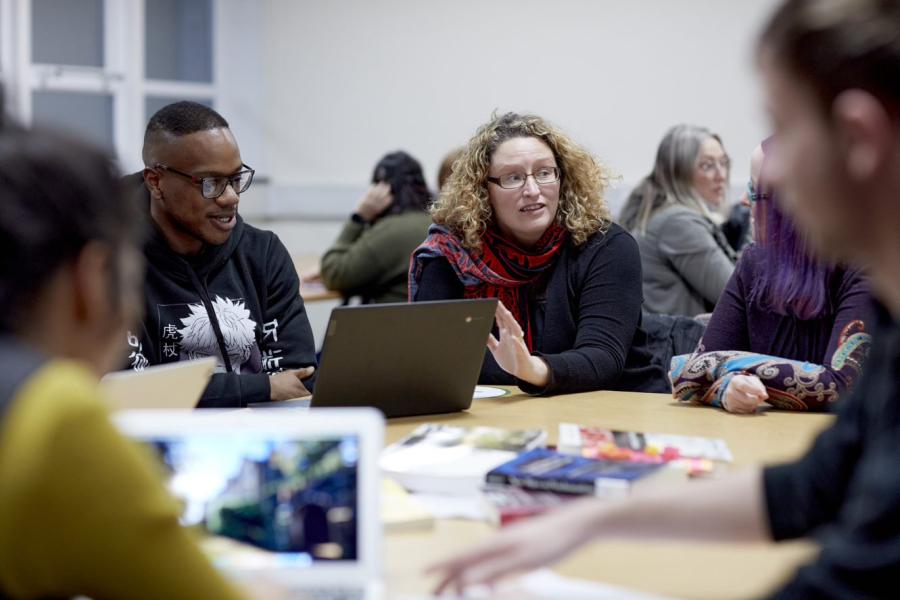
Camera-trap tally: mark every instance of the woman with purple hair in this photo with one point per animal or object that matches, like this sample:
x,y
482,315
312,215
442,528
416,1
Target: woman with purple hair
x,y
788,329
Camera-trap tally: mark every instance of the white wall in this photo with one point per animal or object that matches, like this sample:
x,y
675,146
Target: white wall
x,y
346,81
239,56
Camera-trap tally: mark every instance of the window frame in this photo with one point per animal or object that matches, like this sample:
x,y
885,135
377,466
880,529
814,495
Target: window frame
x,y
123,74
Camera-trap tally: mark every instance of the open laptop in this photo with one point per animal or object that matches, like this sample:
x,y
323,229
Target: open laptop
x,y
173,385
293,502
404,359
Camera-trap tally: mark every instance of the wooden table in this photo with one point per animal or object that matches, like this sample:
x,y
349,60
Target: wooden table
x,y
311,288
316,292
688,570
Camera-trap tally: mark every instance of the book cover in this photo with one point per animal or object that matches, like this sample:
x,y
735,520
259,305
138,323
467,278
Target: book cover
x,y
400,511
697,455
445,459
548,470
507,504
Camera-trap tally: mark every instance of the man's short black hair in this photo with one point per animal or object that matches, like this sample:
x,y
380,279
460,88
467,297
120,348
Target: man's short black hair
x,y
182,118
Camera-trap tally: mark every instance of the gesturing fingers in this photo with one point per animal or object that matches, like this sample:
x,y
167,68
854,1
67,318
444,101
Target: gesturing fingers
x,y
492,342
507,324
482,565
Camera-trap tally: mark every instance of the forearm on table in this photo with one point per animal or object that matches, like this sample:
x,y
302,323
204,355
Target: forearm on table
x,y
580,370
729,509
535,373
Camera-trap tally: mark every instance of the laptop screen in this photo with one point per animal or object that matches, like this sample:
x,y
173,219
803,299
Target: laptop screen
x,y
267,501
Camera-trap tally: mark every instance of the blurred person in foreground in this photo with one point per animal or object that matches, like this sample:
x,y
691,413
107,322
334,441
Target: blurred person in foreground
x,y
83,512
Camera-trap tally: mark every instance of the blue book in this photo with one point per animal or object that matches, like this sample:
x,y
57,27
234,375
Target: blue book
x,y
547,470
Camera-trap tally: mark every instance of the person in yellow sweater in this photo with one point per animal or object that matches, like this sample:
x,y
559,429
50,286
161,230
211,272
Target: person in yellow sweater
x,y
83,511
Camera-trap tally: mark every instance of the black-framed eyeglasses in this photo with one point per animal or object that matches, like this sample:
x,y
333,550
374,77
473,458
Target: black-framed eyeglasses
x,y
754,195
214,186
513,181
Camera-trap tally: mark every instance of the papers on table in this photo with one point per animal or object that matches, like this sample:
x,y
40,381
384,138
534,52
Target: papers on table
x,y
545,584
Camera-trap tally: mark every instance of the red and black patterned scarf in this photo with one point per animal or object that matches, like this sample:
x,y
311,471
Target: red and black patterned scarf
x,y
501,270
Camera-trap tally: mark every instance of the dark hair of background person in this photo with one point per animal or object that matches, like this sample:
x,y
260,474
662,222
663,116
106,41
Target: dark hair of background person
x,y
407,181
58,194
836,45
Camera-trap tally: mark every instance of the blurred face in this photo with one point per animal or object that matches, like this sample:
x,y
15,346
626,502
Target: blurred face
x,y
711,172
807,168
756,161
187,219
523,214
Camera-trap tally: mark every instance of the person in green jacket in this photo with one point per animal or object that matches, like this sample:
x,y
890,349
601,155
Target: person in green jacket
x,y
83,511
370,258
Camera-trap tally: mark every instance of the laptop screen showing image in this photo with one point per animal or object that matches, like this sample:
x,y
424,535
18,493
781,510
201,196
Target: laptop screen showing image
x,y
275,500
286,496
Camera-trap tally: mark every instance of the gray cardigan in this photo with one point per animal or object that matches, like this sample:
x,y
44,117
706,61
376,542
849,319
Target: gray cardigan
x,y
686,262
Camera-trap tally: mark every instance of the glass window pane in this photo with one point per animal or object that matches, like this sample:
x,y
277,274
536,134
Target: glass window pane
x,y
85,114
154,103
67,32
179,40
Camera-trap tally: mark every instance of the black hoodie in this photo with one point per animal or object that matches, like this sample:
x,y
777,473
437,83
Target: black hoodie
x,y
242,296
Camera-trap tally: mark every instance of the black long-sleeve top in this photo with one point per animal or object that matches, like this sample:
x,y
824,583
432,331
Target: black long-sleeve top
x,y
586,314
847,487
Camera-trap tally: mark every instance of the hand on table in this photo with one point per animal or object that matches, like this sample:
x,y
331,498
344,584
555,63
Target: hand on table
x,y
377,198
524,546
512,354
744,393
289,384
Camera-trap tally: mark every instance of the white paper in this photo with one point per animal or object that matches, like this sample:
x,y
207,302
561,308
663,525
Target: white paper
x,y
545,584
471,507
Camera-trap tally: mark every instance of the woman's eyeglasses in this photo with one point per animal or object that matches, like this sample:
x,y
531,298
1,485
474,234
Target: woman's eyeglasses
x,y
513,181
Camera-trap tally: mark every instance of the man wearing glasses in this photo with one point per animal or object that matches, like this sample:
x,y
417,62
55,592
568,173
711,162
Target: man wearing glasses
x,y
215,286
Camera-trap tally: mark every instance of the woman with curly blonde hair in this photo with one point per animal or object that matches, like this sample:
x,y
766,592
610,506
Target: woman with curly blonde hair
x,y
522,219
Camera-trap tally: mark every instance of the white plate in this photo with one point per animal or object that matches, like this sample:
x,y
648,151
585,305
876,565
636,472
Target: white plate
x,y
483,391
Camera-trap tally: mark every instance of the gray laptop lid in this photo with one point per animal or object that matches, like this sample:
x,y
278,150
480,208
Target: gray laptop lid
x,y
404,359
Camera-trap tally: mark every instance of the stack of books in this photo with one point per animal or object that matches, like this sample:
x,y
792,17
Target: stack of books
x,y
442,459
599,462
517,476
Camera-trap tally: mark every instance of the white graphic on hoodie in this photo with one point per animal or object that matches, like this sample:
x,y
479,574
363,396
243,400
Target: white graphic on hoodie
x,y
238,330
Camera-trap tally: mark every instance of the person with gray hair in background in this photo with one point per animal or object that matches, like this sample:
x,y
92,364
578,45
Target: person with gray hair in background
x,y
685,256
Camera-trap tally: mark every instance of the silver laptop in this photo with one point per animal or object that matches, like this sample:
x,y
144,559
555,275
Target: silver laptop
x,y
174,385
404,359
291,501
